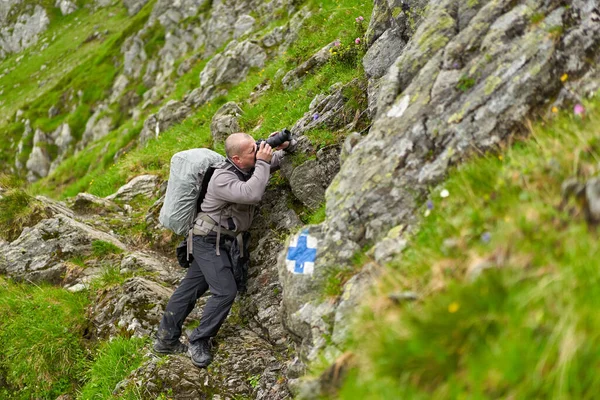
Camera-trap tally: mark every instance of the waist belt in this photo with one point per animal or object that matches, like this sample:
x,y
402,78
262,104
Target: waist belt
x,y
204,225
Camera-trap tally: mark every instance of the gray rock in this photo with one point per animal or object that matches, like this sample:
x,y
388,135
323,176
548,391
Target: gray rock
x,y
38,164
98,126
24,33
66,6
355,290
88,204
239,354
119,86
38,254
134,6
200,96
243,25
309,180
349,143
134,308
134,57
172,113
233,64
225,122
142,185
53,112
167,270
53,207
592,196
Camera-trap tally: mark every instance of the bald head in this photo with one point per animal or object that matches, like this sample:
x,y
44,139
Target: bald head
x,y
236,144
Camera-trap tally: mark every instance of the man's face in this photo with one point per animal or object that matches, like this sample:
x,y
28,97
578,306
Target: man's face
x,y
247,159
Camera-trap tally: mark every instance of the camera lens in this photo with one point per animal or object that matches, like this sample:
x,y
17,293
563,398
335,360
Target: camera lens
x,y
280,138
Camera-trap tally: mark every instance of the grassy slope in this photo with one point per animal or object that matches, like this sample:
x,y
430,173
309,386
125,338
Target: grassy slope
x,y
528,326
93,170
69,63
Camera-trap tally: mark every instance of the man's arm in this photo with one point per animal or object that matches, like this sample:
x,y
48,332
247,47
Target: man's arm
x,y
225,185
279,154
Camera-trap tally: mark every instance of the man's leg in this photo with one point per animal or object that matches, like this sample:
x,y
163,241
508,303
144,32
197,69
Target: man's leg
x,y
219,276
181,304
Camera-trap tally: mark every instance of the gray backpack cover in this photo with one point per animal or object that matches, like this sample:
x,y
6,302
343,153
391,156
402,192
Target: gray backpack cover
x,y
183,189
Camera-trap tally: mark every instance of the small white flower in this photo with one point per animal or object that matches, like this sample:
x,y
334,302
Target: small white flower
x,y
444,193
427,212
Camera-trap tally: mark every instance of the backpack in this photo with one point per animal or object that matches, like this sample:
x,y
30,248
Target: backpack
x,y
189,175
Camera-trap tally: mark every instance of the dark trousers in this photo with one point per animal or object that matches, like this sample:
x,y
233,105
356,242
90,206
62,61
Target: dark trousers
x,y
208,270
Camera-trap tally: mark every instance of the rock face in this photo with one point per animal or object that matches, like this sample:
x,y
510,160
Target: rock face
x,y
134,308
172,113
40,252
24,32
233,64
466,78
143,185
225,122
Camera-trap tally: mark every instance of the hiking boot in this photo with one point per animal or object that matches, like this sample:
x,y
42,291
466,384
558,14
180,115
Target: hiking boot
x,y
200,353
161,347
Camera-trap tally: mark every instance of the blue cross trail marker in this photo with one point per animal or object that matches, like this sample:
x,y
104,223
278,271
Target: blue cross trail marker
x,y
302,253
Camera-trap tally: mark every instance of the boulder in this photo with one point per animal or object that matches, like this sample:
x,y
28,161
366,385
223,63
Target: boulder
x,y
98,126
66,6
135,308
428,119
233,64
310,179
134,6
134,58
88,204
38,164
243,26
40,252
24,33
142,185
225,122
172,113
165,269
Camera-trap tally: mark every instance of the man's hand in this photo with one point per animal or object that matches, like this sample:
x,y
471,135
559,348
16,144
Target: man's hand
x,y
265,152
281,146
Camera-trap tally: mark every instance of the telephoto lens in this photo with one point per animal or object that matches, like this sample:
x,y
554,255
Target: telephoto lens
x,y
277,140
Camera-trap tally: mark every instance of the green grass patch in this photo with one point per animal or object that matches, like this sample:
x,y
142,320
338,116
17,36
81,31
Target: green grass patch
x,y
103,249
40,333
507,270
114,360
19,209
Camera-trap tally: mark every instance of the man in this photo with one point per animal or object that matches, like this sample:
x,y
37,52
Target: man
x,y
226,212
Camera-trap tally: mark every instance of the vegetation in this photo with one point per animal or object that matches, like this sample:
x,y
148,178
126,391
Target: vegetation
x,y
114,361
19,209
42,357
506,269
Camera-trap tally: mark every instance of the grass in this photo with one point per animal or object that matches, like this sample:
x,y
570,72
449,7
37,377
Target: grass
x,y
507,270
94,172
102,249
113,362
19,209
41,357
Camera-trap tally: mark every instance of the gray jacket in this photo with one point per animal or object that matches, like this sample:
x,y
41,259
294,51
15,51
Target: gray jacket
x,y
230,198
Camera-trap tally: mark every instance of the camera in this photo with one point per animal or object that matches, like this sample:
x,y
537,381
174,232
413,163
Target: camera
x,y
276,140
